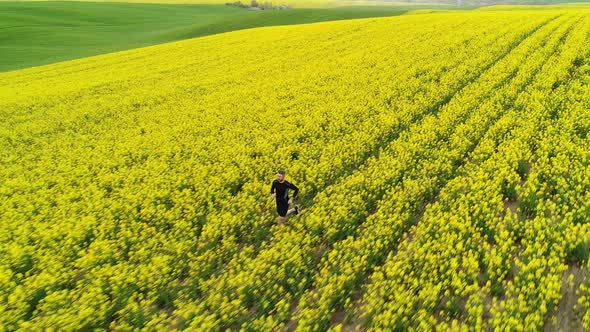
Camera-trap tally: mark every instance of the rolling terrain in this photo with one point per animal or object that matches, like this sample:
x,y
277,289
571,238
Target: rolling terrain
x,y
443,161
38,33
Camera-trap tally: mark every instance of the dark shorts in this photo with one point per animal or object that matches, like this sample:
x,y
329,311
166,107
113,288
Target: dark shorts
x,y
282,207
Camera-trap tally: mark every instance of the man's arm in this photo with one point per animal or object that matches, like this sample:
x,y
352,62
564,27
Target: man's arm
x,y
295,189
272,188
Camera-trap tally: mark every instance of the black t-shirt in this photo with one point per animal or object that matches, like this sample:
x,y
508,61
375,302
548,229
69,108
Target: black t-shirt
x,y
282,190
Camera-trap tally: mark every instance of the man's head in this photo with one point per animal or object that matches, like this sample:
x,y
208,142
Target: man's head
x,y
281,175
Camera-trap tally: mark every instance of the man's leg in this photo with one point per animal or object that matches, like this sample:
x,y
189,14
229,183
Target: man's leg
x,y
282,209
295,210
282,220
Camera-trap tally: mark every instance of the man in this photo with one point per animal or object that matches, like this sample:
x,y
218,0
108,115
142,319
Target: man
x,y
280,190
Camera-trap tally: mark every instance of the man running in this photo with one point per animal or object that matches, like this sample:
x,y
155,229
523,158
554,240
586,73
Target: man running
x,y
280,190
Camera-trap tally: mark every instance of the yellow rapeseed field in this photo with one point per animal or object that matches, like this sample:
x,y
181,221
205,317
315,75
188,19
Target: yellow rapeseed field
x,y
443,161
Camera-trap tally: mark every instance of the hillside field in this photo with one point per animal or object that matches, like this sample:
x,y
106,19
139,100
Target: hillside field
x,y
443,161
38,33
